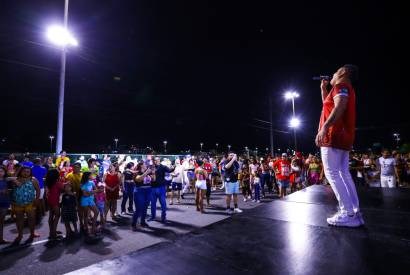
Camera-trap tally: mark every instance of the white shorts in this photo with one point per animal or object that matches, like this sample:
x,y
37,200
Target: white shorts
x,y
388,181
200,184
41,193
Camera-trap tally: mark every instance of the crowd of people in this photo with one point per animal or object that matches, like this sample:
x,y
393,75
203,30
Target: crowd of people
x,y
81,193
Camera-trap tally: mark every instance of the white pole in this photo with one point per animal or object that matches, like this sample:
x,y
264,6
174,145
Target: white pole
x,y
59,143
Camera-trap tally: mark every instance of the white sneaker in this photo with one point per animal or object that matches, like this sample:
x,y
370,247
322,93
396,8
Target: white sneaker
x,y
237,210
249,197
342,219
258,201
244,199
254,200
229,211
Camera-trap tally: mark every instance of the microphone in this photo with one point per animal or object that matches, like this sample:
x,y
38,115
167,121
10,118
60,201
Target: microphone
x,y
325,77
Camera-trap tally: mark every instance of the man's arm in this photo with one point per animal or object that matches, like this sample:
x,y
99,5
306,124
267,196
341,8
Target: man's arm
x,y
337,112
229,164
323,88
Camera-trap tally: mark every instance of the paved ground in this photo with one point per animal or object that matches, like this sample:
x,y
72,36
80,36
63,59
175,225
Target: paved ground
x,y
43,257
287,236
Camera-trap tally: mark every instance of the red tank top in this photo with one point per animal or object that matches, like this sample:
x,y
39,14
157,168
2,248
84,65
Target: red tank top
x,y
111,180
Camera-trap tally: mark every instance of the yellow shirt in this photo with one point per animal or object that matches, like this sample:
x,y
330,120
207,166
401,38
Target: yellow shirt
x,y
59,160
75,180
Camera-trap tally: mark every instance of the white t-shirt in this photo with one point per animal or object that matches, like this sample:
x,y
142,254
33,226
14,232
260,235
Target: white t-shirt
x,y
387,166
254,168
178,171
6,162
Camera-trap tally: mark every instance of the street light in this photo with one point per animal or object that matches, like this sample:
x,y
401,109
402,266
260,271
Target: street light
x,y
229,148
60,36
292,95
51,143
202,144
247,151
294,123
165,146
256,151
217,147
116,143
397,139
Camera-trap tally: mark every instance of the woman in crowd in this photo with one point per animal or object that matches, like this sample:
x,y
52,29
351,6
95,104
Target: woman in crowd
x,y
54,186
200,185
112,180
315,171
26,192
245,183
142,194
128,185
4,201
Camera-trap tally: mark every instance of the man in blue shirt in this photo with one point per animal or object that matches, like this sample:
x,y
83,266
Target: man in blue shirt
x,y
39,172
158,190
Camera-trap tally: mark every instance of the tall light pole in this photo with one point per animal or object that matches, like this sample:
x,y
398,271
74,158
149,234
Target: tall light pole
x,y
116,143
51,143
292,96
256,151
271,125
247,151
229,148
202,144
217,147
165,146
61,37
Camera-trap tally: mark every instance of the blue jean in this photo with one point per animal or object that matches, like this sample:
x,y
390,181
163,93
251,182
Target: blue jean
x,y
158,193
142,198
128,194
257,192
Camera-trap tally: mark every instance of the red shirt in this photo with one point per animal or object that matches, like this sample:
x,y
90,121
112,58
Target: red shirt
x,y
208,167
282,169
341,134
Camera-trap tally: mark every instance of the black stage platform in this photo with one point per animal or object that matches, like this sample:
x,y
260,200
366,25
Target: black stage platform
x,y
287,236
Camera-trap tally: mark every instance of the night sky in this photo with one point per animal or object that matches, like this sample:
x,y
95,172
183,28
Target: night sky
x,y
196,71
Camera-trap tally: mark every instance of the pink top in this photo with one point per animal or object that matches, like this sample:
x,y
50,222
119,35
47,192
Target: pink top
x,y
54,192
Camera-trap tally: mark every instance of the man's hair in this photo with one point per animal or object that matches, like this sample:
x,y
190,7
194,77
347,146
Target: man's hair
x,y
353,72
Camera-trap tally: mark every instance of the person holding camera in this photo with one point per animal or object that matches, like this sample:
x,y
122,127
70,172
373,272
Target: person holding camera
x,y
231,169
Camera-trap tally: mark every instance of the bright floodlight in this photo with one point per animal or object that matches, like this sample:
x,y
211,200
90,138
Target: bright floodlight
x,y
61,36
290,95
294,122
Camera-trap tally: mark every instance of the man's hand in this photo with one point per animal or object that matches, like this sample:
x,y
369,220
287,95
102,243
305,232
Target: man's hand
x,y
235,157
320,136
324,84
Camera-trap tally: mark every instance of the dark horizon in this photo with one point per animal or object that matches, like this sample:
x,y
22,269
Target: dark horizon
x,y
187,72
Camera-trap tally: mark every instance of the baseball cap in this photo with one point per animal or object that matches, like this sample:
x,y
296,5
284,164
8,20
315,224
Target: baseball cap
x,y
284,155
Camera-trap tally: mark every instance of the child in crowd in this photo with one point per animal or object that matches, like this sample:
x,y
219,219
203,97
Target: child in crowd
x,y
4,201
87,201
69,210
257,186
100,199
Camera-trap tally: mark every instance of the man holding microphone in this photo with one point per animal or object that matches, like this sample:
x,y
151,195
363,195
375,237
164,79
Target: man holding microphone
x,y
335,139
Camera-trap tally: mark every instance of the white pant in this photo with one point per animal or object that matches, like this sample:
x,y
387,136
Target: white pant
x,y
336,168
388,181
